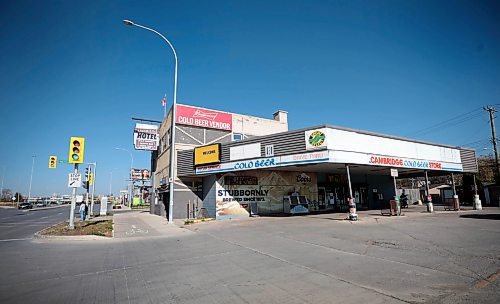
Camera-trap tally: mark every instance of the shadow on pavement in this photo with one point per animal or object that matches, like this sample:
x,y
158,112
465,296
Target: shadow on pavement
x,y
482,216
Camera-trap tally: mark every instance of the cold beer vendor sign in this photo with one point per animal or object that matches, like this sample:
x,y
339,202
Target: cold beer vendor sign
x,y
199,117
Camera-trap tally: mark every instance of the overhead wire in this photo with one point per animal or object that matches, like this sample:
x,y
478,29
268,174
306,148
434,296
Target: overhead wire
x,y
451,122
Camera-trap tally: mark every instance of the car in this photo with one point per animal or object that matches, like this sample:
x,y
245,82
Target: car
x,y
25,205
41,204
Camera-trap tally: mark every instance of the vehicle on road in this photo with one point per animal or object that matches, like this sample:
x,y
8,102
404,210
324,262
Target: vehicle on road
x,y
41,204
25,205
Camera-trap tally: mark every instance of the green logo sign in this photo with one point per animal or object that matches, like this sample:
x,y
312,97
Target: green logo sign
x,y
317,138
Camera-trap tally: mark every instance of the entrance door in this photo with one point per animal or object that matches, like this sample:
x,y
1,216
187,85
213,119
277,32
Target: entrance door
x,y
322,198
361,198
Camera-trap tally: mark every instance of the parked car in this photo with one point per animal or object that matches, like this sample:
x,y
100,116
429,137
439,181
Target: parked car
x,y
25,205
41,204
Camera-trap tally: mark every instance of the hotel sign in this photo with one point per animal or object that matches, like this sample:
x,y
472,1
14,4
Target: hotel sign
x,y
199,117
207,155
146,137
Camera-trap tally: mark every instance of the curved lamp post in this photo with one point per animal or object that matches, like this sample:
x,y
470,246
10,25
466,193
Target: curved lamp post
x,y
130,175
31,176
172,128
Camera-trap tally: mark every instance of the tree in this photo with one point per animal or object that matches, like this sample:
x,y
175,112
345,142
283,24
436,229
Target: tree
x,y
5,195
487,169
19,197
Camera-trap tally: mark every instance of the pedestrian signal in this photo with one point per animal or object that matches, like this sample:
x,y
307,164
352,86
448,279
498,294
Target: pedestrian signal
x,y
76,148
52,162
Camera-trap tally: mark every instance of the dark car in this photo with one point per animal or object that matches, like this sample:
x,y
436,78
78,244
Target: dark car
x,y
25,205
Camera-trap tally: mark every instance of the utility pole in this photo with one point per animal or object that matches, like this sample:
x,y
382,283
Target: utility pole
x,y
492,110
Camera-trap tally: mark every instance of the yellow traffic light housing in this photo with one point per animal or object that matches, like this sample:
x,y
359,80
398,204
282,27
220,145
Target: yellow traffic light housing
x,y
76,149
91,178
52,162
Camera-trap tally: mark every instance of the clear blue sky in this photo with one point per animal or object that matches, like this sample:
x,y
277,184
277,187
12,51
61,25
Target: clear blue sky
x,y
71,68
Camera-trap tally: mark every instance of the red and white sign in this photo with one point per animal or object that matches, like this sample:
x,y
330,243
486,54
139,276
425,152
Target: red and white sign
x,y
199,117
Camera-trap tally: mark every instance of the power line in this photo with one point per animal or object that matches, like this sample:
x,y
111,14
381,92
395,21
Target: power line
x,y
452,121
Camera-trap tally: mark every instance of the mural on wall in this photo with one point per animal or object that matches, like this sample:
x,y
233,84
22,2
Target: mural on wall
x,y
236,190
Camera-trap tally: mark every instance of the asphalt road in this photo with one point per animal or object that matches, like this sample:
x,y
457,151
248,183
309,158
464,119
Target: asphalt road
x,y
22,224
438,258
16,225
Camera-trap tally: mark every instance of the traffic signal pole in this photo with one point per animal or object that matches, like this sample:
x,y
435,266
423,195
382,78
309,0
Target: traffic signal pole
x,y
73,205
93,190
87,196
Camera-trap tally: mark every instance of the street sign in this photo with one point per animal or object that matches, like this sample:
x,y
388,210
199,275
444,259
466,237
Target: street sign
x,y
74,180
62,161
394,172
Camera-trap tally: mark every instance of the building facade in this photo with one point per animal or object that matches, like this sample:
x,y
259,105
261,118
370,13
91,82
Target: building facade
x,y
256,166
196,127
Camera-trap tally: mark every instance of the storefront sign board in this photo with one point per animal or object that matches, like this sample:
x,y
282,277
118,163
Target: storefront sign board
x,y
268,162
200,117
207,155
146,137
316,139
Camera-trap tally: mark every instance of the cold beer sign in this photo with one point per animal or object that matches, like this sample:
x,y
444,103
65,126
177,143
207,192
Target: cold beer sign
x,y
146,137
199,117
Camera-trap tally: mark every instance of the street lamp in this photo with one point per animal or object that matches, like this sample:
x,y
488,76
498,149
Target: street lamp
x,y
172,132
130,174
31,177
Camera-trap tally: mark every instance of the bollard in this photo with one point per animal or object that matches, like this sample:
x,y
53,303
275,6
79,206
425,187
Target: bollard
x,y
456,203
477,203
430,207
352,210
398,206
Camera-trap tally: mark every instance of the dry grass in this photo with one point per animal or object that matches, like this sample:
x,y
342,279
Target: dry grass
x,y
100,228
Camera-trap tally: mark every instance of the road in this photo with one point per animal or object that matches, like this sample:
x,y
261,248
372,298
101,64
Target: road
x,y
449,257
17,225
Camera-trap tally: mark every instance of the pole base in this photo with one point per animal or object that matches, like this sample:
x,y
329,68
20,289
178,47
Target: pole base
x,y
477,203
430,207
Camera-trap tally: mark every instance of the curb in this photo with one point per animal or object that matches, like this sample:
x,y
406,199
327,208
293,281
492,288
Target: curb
x,y
47,208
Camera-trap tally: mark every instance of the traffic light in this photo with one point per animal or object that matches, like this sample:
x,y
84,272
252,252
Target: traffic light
x,y
52,162
76,148
87,178
91,178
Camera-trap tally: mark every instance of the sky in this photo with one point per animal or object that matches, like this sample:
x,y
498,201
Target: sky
x,y
416,69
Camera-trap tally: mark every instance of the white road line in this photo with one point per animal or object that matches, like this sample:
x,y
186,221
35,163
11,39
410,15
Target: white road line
x,y
11,240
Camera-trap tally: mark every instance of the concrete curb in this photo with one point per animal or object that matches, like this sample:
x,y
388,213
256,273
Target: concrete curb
x,y
46,208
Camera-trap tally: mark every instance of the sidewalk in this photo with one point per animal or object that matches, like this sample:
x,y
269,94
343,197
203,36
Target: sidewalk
x,y
135,224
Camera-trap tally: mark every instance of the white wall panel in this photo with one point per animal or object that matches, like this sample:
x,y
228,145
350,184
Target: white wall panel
x,y
340,140
245,151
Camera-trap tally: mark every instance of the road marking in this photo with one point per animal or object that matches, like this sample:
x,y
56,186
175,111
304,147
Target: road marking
x,y
11,240
44,217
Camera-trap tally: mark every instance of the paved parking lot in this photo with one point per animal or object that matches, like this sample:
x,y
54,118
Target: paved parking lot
x,y
446,257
